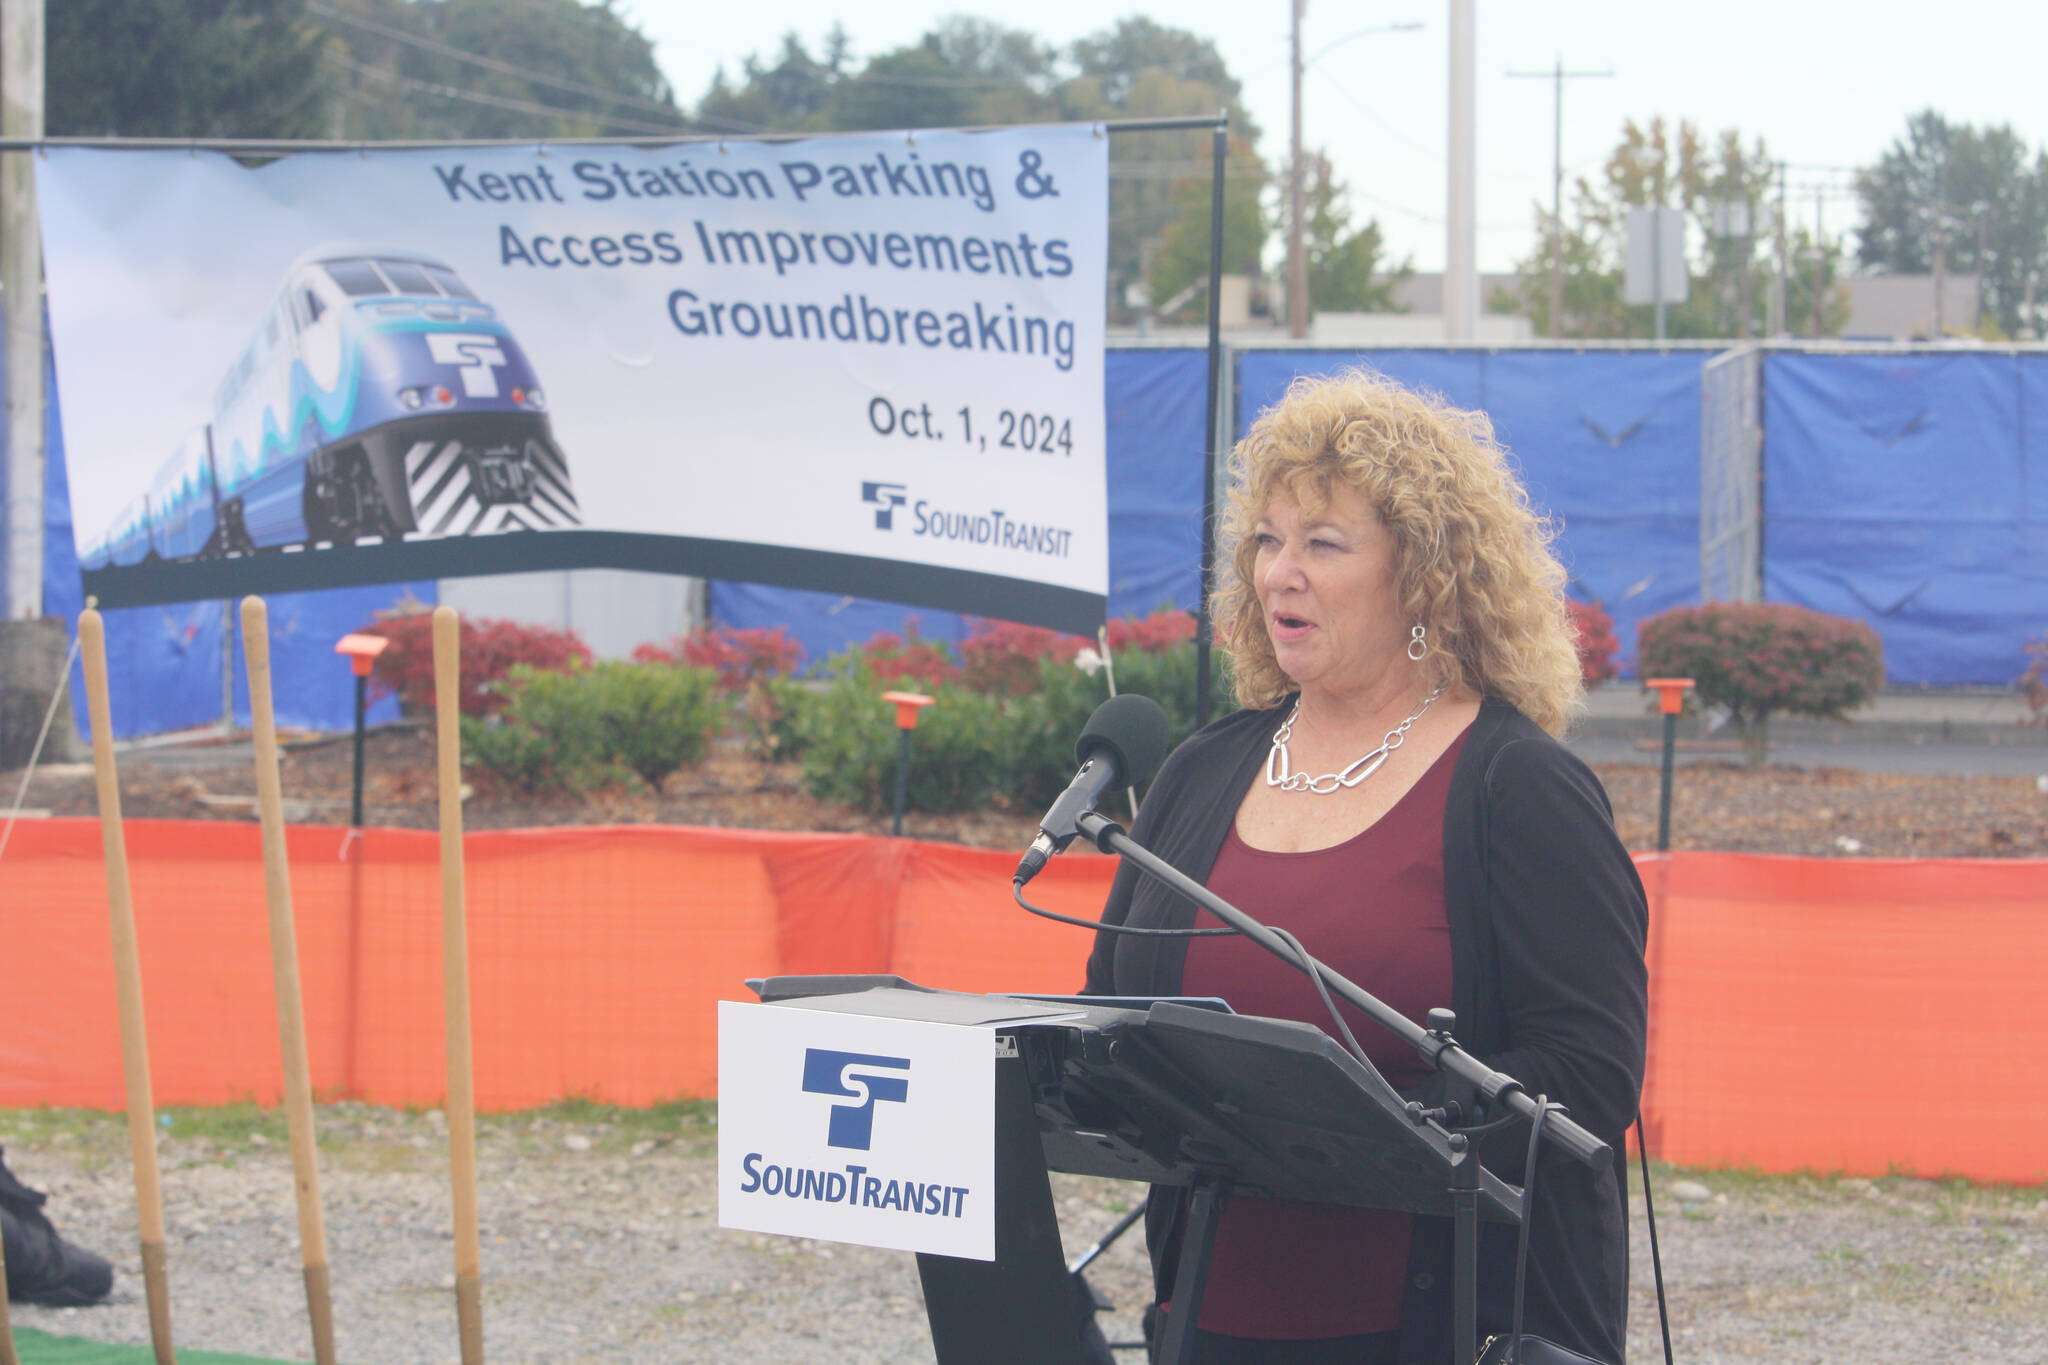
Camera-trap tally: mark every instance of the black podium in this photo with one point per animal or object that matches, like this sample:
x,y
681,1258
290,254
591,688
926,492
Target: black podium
x,y
1170,1093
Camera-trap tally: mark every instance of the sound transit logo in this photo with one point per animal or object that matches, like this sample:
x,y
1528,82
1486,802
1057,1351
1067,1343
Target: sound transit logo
x,y
827,1072
886,497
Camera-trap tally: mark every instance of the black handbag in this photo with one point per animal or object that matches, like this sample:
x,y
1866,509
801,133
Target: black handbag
x,y
1535,1351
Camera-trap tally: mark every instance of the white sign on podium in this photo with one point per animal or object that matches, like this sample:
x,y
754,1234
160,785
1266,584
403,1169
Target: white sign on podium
x,y
857,1128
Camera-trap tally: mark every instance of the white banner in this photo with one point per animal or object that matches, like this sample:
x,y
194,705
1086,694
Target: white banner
x,y
857,1128
871,364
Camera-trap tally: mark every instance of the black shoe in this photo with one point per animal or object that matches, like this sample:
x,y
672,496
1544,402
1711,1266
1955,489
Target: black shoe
x,y
42,1267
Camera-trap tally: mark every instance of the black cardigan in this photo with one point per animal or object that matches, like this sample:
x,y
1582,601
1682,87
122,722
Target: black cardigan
x,y
1547,927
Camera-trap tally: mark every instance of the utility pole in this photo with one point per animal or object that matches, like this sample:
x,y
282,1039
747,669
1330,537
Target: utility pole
x,y
1940,326
21,297
1461,232
1775,324
1745,282
1983,256
1559,76
1298,304
1820,260
1297,195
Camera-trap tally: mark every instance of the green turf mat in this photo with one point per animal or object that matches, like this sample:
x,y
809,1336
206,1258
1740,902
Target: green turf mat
x,y
41,1348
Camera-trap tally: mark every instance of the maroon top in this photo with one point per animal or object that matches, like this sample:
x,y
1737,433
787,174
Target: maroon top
x,y
1373,908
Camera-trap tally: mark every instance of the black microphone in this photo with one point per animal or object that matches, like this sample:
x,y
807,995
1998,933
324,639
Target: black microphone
x,y
1121,745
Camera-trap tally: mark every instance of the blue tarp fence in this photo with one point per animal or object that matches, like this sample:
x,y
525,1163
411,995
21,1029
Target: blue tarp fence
x,y
1911,491
1906,489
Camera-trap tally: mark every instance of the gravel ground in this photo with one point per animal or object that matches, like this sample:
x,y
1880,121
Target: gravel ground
x,y
601,1244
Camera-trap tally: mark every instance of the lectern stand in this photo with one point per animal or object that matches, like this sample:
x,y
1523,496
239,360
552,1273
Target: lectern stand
x,y
1173,1094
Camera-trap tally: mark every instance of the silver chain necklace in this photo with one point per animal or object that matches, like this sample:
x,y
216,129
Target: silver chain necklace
x,y
1280,772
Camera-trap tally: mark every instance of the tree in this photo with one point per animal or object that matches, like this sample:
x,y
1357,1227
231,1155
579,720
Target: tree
x,y
1651,166
912,87
185,68
492,68
1179,268
792,94
1140,69
1344,271
370,69
1971,200
970,71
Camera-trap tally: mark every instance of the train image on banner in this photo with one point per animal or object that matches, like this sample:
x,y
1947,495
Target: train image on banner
x,y
378,398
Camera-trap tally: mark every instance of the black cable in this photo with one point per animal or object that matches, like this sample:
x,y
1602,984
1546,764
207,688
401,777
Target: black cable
x,y
1656,1261
1017,890
1308,964
1543,1107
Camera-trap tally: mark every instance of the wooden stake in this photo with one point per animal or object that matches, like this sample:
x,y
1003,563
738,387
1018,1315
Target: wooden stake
x,y
149,1202
7,1355
284,970
469,1316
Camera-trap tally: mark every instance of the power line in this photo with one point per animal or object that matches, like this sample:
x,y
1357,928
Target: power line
x,y
1558,76
494,101
493,64
1434,153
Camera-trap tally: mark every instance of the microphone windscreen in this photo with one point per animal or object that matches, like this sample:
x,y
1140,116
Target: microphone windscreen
x,y
1131,727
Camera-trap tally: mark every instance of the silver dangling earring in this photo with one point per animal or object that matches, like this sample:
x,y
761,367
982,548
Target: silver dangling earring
x,y
1417,648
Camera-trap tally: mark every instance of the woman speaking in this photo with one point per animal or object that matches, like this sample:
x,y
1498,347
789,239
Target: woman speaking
x,y
1393,794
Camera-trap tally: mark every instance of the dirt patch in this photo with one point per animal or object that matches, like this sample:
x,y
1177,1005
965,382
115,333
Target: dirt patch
x,y
1819,812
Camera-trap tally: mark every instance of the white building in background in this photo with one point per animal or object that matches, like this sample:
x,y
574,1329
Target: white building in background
x,y
1422,295
1903,307
614,610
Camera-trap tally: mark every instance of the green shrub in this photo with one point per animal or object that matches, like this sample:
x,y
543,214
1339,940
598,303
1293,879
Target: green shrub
x,y
652,718
542,734
584,726
848,738
1757,658
775,718
1013,746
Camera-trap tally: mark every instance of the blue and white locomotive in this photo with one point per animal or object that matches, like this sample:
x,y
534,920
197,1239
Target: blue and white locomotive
x,y
378,397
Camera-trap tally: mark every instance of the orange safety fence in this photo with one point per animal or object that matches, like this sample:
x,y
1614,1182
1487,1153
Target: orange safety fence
x,y
1854,1016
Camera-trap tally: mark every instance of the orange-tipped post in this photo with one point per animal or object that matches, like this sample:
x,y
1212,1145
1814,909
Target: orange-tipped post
x,y
1670,693
361,652
907,704
1670,700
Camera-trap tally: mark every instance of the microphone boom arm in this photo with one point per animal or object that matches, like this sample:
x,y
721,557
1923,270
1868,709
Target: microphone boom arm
x,y
1440,1050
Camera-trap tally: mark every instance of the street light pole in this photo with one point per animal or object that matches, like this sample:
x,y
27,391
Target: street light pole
x,y
1297,178
1297,194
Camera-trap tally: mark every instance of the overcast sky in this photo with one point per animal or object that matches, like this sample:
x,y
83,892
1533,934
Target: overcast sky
x,y
1827,84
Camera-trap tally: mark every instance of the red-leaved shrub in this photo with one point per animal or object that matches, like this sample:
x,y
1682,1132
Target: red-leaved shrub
x,y
1593,629
1163,629
1002,657
1756,658
738,656
490,649
908,658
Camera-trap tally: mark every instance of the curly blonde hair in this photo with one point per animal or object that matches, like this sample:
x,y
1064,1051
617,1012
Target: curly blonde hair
x,y
1473,560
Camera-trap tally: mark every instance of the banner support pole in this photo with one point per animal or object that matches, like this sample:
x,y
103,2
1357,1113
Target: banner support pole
x,y
1219,149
